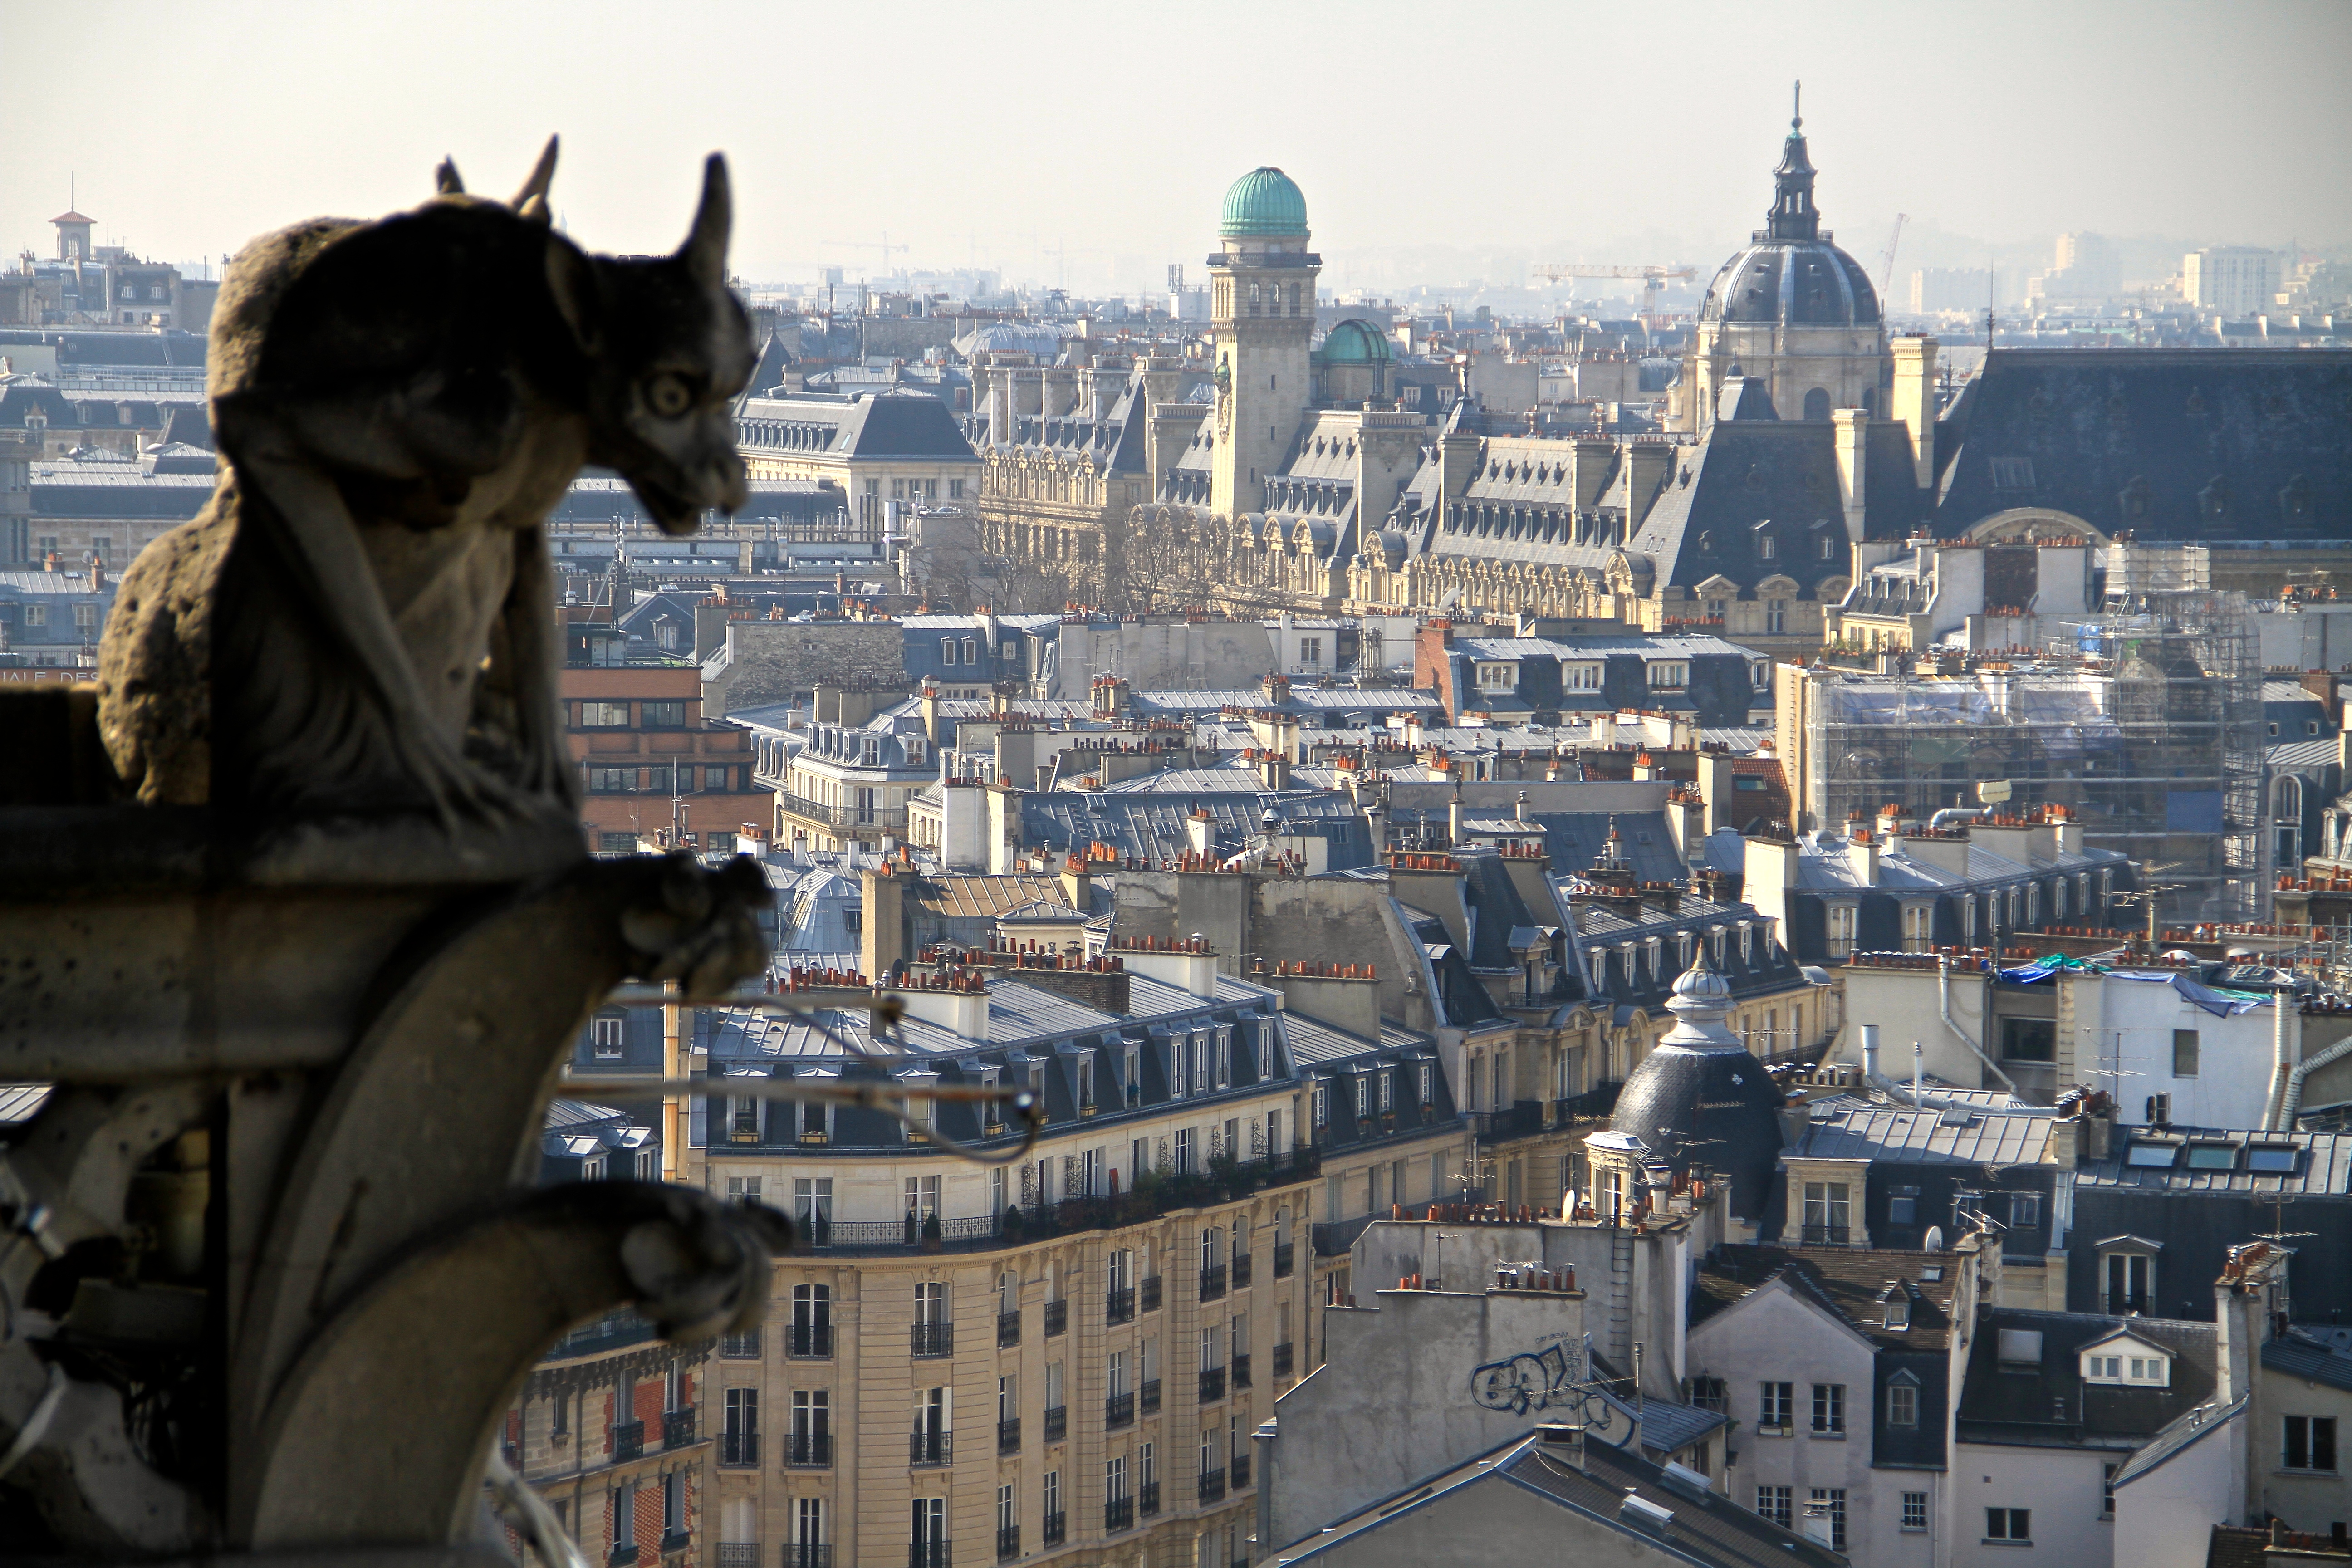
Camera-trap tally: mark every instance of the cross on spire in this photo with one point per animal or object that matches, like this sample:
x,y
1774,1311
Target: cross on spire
x,y
1797,108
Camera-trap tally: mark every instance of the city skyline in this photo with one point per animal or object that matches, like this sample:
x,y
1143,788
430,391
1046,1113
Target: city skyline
x,y
1070,148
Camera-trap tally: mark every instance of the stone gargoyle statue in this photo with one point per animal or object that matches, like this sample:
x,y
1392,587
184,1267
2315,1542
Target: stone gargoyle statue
x,y
359,625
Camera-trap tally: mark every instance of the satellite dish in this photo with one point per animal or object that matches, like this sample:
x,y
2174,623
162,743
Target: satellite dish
x,y
1934,1241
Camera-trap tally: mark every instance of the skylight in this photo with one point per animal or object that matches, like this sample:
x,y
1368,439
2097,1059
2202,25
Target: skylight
x,y
2155,1157
2212,1157
2274,1158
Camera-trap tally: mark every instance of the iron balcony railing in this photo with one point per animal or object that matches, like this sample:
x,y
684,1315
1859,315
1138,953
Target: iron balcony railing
x,y
1241,1269
1242,1370
1212,1487
1058,1317
739,1449
1008,1329
1827,1235
628,1440
1241,1471
1282,1360
928,1554
1212,1384
1148,1391
1118,1513
1147,1499
1118,1306
1055,1528
809,1451
1283,1253
933,1339
1008,1542
1118,1410
810,1341
808,1555
875,817
1151,1293
623,1553
1008,1435
1212,1282
1594,1104
739,1347
675,1541
1058,1423
739,1554
927,1448
677,1429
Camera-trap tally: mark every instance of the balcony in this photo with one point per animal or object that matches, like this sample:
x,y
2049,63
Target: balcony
x,y
1149,1392
677,1429
1240,1375
1118,1513
809,1451
1147,1499
1008,1542
628,1441
623,1553
860,818
1595,1104
1212,1282
1118,1410
1242,1267
1282,1360
1058,1423
810,1341
930,1554
933,1339
1241,1471
1008,1435
1008,1330
675,1541
1212,1487
1212,1384
1055,1528
1828,1235
808,1555
739,1451
929,1449
739,1347
1284,1251
1118,1306
1058,1317
1152,1294
739,1554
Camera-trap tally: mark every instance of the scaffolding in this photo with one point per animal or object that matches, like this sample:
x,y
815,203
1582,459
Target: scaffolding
x,y
2144,720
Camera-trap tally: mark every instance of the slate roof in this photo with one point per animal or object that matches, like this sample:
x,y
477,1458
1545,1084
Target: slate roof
x,y
2301,1352
2212,445
1845,1128
1314,1042
2306,756
2049,1404
2186,1429
1845,1281
2323,1166
983,897
1153,827
1709,1528
859,425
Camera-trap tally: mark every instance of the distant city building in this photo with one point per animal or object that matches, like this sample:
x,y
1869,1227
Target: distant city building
x,y
2236,280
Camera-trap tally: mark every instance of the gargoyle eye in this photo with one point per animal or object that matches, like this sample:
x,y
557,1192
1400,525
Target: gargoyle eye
x,y
668,396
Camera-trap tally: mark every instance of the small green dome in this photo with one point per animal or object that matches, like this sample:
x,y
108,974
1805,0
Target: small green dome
x,y
1354,341
1266,202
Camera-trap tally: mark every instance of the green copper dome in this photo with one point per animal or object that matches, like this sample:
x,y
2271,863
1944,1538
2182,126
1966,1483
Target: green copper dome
x,y
1263,203
1354,341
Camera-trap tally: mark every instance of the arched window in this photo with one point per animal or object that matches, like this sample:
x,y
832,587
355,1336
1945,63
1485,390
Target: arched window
x,y
1817,404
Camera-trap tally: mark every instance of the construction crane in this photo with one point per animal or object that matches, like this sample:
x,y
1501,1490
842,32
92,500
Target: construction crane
x,y
1652,279
885,246
1887,263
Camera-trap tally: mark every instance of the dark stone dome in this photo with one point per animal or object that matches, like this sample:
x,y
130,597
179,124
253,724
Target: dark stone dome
x,y
1700,1098
1792,283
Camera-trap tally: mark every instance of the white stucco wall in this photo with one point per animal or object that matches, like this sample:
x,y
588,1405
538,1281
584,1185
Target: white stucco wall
x,y
2164,1518
2136,1018
2059,1485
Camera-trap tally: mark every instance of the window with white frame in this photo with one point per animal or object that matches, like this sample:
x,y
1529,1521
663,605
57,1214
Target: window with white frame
x,y
1580,677
608,1034
1669,675
1499,677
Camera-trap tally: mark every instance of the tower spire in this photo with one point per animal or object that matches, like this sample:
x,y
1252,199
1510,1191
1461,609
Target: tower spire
x,y
1792,216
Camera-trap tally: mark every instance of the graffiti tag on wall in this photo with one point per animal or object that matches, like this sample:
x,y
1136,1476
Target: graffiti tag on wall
x,y
1553,1378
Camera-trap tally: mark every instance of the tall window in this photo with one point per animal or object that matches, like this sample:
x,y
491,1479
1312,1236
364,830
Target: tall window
x,y
931,1303
1773,1503
2309,1443
1829,1407
808,1524
1914,1510
1832,1499
2184,1053
926,1532
1827,1212
1777,1406
1902,1404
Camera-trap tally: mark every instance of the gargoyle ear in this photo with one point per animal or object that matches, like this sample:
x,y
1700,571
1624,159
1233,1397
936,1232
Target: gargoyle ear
x,y
579,299
704,250
532,200
446,181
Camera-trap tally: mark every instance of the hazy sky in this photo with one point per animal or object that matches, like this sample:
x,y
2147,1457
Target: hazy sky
x,y
1001,134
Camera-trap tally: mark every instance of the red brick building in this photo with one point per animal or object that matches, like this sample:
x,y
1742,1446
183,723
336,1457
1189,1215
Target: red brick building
x,y
652,771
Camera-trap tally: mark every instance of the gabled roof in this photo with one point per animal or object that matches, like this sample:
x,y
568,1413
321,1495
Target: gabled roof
x,y
2048,1403
2301,1353
1846,1282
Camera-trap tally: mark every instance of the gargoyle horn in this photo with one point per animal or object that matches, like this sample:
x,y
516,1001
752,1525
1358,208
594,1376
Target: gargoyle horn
x,y
704,250
532,200
446,181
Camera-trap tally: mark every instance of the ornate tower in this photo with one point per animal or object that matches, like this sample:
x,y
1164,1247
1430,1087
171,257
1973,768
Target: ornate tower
x,y
1261,315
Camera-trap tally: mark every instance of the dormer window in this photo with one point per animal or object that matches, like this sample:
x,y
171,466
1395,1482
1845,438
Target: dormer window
x,y
1895,1309
1499,677
2126,1362
1363,1094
